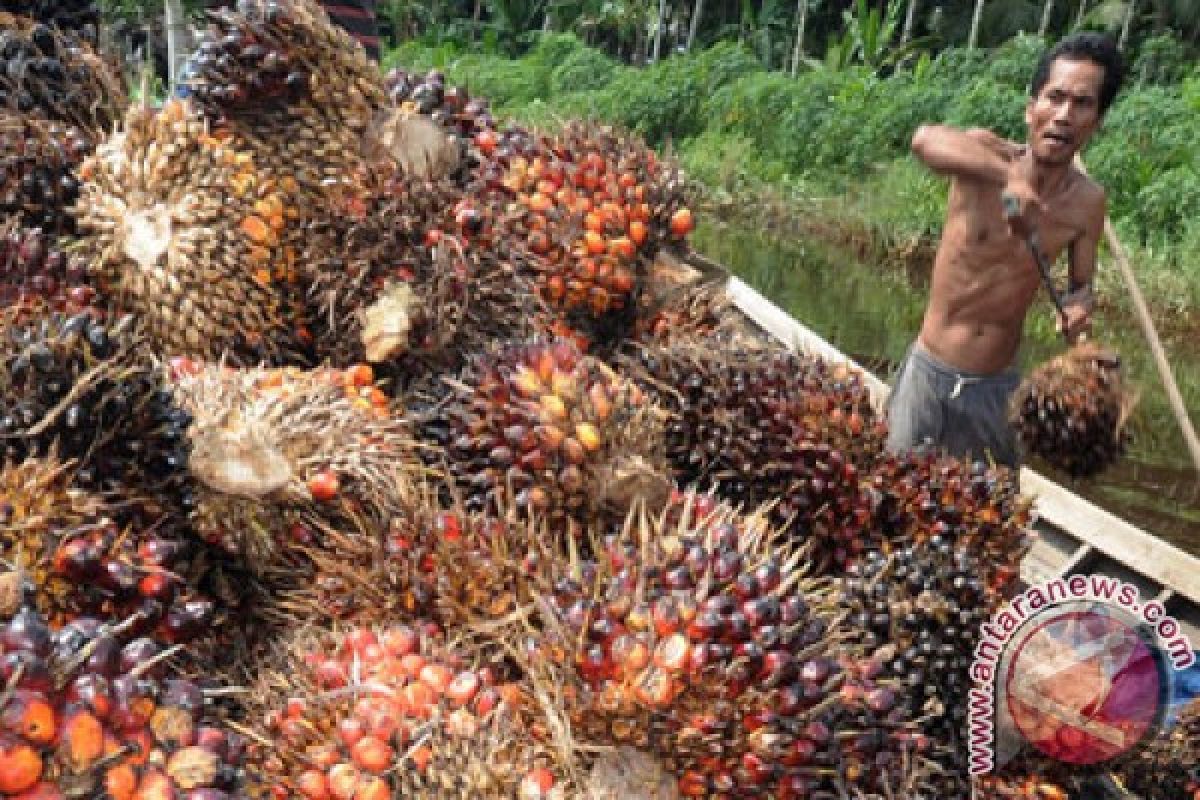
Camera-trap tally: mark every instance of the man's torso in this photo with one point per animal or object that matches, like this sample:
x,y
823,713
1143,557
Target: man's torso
x,y
985,278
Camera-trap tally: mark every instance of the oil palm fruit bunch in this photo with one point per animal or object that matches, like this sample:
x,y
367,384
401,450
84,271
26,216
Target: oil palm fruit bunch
x,y
186,232
89,556
921,497
37,161
88,713
269,448
1169,764
37,275
590,209
1072,410
54,75
378,713
81,17
83,388
927,604
763,425
309,137
543,428
694,636
283,55
412,283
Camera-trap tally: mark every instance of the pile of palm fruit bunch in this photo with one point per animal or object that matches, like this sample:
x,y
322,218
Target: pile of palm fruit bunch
x,y
1072,410
326,474
89,711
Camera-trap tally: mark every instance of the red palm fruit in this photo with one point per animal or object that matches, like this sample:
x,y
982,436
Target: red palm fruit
x,y
344,779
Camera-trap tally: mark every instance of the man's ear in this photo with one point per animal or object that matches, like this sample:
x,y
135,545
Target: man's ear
x,y
1029,112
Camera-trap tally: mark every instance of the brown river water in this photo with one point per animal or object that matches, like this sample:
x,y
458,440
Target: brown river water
x,y
872,313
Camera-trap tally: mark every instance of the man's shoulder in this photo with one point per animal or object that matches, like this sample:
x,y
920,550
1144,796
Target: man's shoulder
x,y
1088,189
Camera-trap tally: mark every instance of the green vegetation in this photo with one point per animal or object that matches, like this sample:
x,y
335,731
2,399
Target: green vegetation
x,y
829,147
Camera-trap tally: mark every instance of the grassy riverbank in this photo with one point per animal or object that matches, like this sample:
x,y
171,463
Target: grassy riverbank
x,y
825,154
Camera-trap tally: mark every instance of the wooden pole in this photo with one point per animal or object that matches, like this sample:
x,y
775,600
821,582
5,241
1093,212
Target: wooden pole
x,y
1156,349
1142,312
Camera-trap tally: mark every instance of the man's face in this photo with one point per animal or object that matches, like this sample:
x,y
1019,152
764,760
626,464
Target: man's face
x,y
1066,111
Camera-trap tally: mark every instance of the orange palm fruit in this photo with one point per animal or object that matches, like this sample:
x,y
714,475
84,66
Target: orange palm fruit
x,y
373,788
638,232
29,715
622,247
682,222
588,436
344,779
594,243
82,740
553,408
155,785
120,782
324,485
312,785
437,677
372,755
21,767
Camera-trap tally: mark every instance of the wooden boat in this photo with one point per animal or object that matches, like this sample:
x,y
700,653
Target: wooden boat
x,y
1075,536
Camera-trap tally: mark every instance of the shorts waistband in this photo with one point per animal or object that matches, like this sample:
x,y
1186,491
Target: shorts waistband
x,y
918,351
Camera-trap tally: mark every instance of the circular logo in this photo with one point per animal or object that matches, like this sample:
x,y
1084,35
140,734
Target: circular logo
x,y
1083,686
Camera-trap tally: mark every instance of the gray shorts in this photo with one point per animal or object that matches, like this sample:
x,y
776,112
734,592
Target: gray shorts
x,y
963,413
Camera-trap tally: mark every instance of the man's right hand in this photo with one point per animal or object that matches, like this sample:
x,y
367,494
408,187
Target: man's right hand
x,y
1022,207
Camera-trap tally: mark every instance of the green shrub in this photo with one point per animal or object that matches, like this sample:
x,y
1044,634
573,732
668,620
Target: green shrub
x,y
1162,59
985,104
582,70
1148,133
1013,62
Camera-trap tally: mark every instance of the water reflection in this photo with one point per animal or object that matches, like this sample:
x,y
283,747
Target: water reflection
x,y
872,314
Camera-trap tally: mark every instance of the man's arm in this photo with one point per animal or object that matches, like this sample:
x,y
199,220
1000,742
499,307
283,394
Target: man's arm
x,y
976,153
1081,271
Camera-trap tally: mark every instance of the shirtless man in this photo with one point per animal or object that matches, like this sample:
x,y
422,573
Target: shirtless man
x,y
954,385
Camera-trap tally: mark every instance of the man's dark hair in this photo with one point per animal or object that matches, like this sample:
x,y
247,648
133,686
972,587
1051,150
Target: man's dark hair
x,y
1087,46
